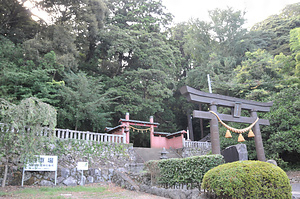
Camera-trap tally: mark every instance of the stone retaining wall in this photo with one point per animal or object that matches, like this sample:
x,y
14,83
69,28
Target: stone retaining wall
x,y
103,159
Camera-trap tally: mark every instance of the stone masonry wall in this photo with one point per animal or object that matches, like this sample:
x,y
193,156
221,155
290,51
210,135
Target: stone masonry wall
x,y
103,159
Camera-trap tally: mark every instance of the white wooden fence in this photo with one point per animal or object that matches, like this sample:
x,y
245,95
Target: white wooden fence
x,y
196,144
88,136
81,135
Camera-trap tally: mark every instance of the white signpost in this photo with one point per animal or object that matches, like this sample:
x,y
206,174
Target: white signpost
x,y
82,166
43,163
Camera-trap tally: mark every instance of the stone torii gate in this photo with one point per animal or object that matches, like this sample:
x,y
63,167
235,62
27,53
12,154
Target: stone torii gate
x,y
236,105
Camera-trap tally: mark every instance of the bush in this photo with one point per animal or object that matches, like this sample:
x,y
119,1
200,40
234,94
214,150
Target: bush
x,y
247,179
183,171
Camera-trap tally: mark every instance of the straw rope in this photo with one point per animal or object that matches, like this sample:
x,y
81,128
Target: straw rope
x,y
136,129
234,129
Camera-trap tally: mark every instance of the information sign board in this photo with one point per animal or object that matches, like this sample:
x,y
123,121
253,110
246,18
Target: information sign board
x,y
42,163
82,166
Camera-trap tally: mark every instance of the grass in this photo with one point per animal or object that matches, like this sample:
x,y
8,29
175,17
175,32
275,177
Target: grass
x,y
55,192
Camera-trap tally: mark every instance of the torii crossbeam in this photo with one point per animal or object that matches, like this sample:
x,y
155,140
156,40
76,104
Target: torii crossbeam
x,y
236,104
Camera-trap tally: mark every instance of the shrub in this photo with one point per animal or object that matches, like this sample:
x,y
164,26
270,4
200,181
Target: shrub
x,y
247,179
182,171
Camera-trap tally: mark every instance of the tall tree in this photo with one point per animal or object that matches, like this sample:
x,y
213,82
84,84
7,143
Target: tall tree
x,y
217,48
278,28
20,78
133,38
84,17
295,47
147,15
141,92
84,103
16,22
56,38
283,134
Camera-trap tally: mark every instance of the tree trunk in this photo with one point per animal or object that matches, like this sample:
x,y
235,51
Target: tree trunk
x,y
5,176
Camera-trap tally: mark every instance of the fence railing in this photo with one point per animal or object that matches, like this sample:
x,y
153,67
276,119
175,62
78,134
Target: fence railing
x,y
88,136
196,144
80,135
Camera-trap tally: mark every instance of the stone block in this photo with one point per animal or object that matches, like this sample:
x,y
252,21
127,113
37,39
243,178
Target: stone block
x,y
90,179
242,151
70,181
235,153
272,162
65,173
46,183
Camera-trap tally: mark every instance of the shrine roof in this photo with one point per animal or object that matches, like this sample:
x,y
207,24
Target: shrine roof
x,y
109,129
169,134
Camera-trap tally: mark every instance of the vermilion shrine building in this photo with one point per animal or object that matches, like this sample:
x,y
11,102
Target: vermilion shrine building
x,y
157,139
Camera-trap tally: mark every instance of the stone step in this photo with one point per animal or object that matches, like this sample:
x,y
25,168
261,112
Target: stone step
x,y
146,154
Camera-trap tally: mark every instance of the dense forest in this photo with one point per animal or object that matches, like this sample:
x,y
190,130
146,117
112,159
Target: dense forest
x,y
95,60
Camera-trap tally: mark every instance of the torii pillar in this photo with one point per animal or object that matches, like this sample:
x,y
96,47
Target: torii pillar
x,y
236,104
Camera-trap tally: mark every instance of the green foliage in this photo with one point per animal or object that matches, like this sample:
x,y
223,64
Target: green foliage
x,y
183,171
19,132
247,179
148,15
278,28
141,92
83,19
84,103
25,121
16,22
295,39
283,134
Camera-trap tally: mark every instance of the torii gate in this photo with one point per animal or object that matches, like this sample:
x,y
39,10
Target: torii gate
x,y
236,105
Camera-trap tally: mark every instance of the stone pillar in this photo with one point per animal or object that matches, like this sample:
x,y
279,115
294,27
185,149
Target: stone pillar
x,y
258,139
214,131
190,125
151,131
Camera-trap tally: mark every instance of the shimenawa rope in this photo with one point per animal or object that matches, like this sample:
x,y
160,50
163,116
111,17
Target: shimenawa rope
x,y
235,130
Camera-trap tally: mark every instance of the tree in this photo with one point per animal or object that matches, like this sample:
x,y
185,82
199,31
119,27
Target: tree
x,y
84,103
16,22
283,134
22,124
146,15
278,27
22,78
141,92
257,77
83,18
133,37
55,38
295,47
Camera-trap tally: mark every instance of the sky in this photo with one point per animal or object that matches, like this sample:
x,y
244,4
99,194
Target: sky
x,y
256,10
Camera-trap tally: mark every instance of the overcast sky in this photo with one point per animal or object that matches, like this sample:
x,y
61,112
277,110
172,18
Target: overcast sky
x,y
256,10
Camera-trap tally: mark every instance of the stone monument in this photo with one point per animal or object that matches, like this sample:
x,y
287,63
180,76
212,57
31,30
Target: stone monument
x,y
235,153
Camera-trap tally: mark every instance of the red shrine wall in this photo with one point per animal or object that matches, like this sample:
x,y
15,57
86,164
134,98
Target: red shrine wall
x,y
155,141
160,142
